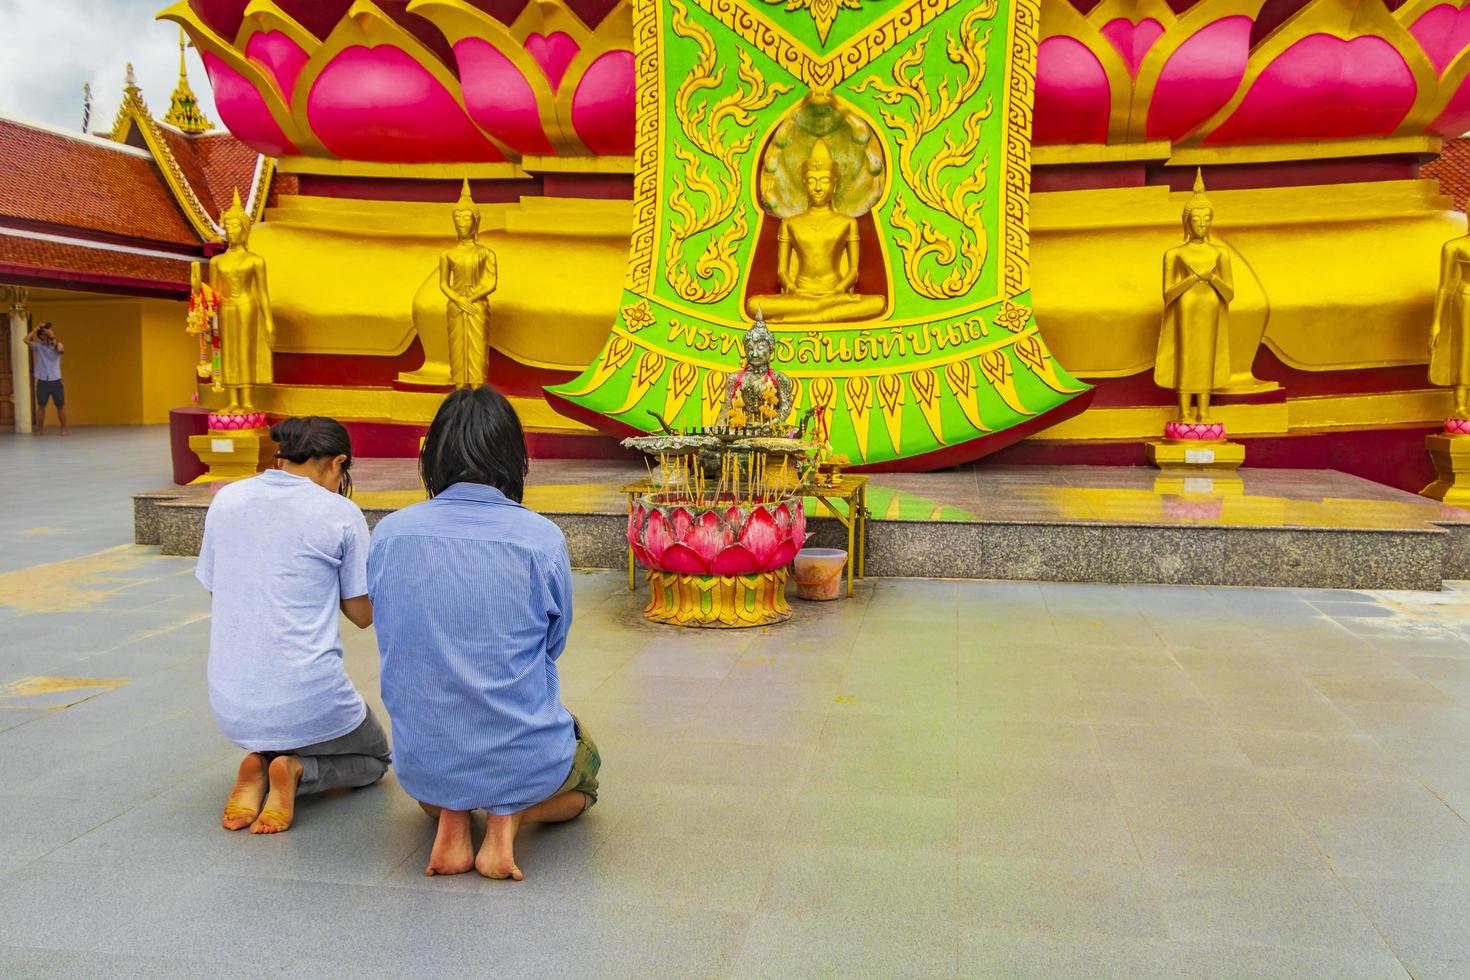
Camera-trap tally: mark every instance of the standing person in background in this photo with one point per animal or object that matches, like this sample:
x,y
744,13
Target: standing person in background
x,y
473,598
48,375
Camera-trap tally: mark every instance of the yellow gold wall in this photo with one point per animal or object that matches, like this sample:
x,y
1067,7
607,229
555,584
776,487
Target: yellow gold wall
x,y
168,356
123,363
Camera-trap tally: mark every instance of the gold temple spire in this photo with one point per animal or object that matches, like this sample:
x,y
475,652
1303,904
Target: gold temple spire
x,y
183,108
132,105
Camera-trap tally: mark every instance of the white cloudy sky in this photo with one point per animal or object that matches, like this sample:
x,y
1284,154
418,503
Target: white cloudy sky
x,y
48,48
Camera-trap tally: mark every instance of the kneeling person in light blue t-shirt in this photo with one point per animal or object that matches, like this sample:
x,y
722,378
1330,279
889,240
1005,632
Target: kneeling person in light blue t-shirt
x,y
282,553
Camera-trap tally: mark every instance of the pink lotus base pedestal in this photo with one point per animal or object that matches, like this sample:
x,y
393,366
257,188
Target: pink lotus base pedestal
x,y
1195,446
1457,427
236,421
1211,431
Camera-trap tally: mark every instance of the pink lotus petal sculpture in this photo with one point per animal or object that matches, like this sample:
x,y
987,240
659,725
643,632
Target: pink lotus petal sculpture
x,y
731,538
1203,431
236,421
1457,427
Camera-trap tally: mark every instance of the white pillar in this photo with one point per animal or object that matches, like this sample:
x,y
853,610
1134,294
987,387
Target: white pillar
x,y
20,360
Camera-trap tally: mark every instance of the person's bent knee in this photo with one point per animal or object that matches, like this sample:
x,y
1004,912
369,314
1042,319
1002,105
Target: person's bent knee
x,y
376,771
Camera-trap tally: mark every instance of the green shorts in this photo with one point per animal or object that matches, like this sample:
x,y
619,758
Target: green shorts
x,y
586,762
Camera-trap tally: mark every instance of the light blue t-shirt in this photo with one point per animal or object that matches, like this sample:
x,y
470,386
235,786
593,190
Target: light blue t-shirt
x,y
279,555
48,361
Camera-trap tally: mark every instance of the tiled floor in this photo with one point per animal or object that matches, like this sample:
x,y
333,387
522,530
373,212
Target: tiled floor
x,y
934,779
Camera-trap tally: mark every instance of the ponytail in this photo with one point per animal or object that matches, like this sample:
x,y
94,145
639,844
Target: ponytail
x,y
309,437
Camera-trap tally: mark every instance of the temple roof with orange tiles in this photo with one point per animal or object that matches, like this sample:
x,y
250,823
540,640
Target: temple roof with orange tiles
x,y
125,211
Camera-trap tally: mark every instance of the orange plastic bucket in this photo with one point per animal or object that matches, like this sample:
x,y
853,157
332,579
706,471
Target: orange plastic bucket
x,y
819,573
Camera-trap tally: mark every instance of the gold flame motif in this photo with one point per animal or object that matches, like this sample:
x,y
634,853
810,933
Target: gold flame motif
x,y
962,251
824,12
704,123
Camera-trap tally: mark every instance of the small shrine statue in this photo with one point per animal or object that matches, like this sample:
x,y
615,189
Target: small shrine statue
x,y
803,182
467,277
1449,335
246,330
757,396
1194,338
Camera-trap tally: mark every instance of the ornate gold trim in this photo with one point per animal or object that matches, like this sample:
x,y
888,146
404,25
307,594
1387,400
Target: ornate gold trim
x,y
365,24
1016,198
918,239
718,183
388,405
133,113
1183,28
335,167
648,170
626,342
829,69
1065,154
457,20
1204,156
1372,411
577,165
1058,18
1345,19
206,40
1295,416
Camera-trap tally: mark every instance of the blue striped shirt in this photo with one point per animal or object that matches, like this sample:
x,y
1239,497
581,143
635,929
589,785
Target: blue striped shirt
x,y
472,601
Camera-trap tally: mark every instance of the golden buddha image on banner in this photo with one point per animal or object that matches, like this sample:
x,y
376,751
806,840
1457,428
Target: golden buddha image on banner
x,y
856,176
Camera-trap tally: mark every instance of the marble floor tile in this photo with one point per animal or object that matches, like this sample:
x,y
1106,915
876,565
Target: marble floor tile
x,y
782,945
939,778
1264,907
1059,898
986,954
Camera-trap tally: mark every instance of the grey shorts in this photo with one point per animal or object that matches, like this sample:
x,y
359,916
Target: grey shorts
x,y
50,391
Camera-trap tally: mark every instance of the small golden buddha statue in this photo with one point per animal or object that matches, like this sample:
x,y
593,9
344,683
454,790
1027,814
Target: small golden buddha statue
x,y
1194,338
246,330
757,396
817,256
467,277
1449,334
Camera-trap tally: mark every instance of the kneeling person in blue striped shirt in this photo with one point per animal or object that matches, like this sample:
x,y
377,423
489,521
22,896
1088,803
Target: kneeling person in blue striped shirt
x,y
472,594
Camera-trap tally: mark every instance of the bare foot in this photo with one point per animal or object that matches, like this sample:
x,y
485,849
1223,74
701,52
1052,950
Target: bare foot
x,y
497,855
453,853
243,806
280,804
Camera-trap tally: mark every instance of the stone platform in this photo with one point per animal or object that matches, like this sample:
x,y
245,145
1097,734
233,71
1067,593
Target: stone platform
x,y
1269,527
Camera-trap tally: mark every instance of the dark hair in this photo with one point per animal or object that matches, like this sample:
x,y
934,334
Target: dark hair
x,y
475,437
315,437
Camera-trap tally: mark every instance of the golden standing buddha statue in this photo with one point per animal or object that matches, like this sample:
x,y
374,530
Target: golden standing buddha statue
x,y
246,330
1194,338
1449,335
817,256
467,277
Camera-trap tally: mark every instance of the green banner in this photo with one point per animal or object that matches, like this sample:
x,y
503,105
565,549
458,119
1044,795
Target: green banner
x,y
857,172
